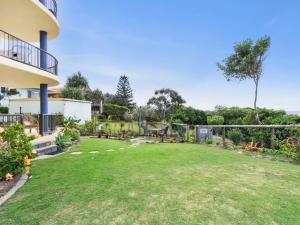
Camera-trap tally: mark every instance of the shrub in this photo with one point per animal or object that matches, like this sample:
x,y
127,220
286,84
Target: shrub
x,y
89,127
72,93
15,151
3,110
63,141
235,135
74,134
114,110
208,141
215,120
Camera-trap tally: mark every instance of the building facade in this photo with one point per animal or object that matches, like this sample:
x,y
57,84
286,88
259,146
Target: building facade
x,y
26,26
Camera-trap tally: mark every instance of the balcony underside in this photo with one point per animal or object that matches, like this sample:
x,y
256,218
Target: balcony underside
x,y
14,74
26,18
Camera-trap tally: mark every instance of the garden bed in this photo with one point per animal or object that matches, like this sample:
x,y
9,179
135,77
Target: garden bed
x,y
5,186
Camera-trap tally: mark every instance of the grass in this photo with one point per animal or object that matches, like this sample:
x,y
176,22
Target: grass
x,y
156,184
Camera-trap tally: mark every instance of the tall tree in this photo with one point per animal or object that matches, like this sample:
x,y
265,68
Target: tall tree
x,y
247,63
165,99
77,81
124,96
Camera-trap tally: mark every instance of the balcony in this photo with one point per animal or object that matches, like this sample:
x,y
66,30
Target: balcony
x,y
25,65
26,18
51,5
23,52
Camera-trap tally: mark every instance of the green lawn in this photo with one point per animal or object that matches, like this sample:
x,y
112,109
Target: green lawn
x,y
156,184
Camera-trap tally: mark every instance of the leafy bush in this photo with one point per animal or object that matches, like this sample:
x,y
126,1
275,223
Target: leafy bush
x,y
3,110
89,127
63,141
189,115
74,135
72,93
114,110
15,151
235,135
208,141
215,120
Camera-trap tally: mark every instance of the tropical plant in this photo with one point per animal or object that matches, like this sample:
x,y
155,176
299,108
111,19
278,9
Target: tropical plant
x,y
247,63
63,141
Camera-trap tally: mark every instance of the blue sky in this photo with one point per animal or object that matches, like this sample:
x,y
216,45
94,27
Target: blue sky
x,y
176,44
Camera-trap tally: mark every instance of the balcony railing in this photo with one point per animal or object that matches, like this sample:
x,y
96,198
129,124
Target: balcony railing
x,y
50,5
21,51
31,121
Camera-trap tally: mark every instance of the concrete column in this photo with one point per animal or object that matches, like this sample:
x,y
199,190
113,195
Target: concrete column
x,y
43,87
43,46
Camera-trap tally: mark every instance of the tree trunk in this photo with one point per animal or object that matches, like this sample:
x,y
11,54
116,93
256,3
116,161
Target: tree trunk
x,y
257,121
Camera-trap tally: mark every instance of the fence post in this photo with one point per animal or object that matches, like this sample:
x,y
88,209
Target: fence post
x,y
224,137
272,138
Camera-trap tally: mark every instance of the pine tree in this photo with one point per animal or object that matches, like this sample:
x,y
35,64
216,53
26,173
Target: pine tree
x,y
124,96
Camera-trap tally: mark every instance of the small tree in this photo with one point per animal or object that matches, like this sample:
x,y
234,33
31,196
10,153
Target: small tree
x,y
164,99
124,96
247,63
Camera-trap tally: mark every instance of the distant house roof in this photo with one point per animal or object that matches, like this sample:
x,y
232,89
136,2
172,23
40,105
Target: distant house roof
x,y
55,91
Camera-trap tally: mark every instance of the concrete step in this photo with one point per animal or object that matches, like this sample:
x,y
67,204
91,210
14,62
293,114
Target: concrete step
x,y
47,150
41,144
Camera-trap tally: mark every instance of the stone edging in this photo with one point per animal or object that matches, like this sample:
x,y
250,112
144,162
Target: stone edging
x,y
13,190
25,177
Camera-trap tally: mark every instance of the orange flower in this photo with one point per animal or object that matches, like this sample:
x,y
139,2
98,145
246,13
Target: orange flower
x,y
26,161
9,177
1,139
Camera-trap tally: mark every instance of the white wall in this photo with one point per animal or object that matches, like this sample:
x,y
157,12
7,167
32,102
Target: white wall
x,y
78,109
67,107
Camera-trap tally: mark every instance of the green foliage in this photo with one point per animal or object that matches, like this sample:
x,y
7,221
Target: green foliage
x,y
89,127
208,141
124,96
63,141
94,96
77,81
3,110
235,135
189,115
165,99
12,92
114,110
215,120
15,146
71,128
72,93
